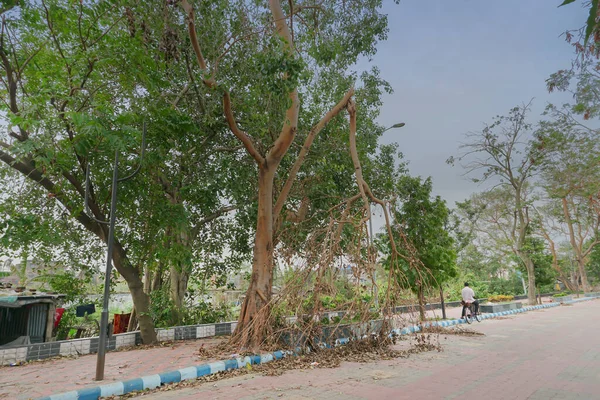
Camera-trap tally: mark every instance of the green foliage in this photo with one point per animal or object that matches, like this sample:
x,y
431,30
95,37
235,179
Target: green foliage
x,y
591,24
67,322
455,286
68,284
542,261
562,294
90,74
424,220
593,265
591,21
500,298
511,286
196,311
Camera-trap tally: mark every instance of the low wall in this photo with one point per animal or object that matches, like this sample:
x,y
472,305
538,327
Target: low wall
x,y
39,351
499,307
563,299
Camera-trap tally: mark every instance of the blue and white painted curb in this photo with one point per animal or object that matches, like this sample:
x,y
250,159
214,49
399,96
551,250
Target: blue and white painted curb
x,y
154,381
417,328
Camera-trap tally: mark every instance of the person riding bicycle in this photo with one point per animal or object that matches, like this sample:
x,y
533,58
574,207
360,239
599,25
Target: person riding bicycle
x,y
468,297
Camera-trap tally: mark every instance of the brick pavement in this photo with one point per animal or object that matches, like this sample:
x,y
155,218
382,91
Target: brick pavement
x,y
56,376
43,378
546,354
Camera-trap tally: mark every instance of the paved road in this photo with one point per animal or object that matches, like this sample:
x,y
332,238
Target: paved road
x,y
547,354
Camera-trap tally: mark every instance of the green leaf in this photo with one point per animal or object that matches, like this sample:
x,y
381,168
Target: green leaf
x,y
564,3
591,22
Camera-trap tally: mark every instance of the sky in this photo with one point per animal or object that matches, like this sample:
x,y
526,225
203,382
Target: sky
x,y
454,65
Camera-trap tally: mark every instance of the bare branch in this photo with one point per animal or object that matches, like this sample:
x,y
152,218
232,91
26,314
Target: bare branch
x,y
290,126
305,149
243,136
187,7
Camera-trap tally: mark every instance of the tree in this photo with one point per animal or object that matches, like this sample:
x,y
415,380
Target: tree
x,y
549,227
79,83
66,110
501,154
477,252
542,261
593,265
571,175
591,25
422,220
285,55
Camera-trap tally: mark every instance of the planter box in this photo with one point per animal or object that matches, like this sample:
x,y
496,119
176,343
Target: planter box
x,y
562,299
592,294
499,307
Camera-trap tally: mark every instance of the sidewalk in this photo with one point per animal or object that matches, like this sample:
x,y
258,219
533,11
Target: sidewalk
x,y
546,354
43,378
46,377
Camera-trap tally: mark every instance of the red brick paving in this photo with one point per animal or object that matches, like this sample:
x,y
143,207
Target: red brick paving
x,y
48,377
555,352
546,354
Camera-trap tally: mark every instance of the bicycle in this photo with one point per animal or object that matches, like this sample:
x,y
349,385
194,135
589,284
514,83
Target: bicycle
x,y
469,314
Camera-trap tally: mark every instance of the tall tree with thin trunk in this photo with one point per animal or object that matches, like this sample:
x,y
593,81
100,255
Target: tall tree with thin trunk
x,y
273,55
569,153
501,154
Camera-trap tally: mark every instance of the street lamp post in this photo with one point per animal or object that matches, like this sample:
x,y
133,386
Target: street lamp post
x,y
104,326
376,289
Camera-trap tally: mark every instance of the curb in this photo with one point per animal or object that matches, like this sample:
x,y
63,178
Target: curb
x,y
417,328
154,381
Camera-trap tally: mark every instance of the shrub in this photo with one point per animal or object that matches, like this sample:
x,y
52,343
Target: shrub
x,y
499,298
562,294
164,313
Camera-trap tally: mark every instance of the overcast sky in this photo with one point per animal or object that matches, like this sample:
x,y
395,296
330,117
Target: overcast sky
x,y
454,65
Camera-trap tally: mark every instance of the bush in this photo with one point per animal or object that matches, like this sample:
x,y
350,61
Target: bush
x,y
500,298
68,284
455,286
512,286
164,313
67,321
562,294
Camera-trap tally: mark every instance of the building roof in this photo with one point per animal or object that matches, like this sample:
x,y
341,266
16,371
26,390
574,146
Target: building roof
x,y
10,298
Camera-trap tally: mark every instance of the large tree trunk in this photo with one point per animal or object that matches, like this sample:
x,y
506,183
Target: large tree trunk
x,y
583,275
567,282
147,280
577,247
530,280
157,278
141,301
179,282
256,303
